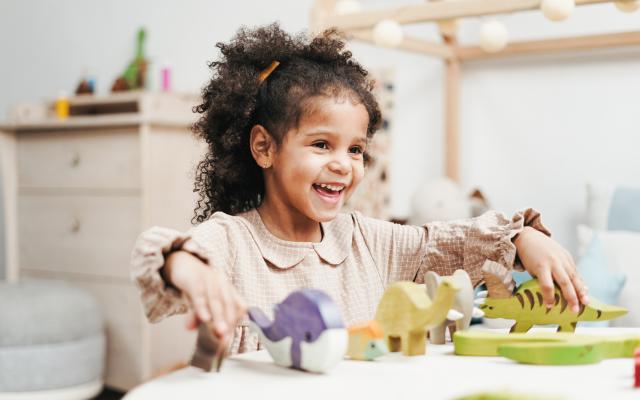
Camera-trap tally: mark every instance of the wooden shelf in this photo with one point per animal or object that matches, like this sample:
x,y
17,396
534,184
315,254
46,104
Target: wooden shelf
x,y
115,110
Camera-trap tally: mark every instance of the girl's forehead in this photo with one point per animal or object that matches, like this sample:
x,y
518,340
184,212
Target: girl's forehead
x,y
343,111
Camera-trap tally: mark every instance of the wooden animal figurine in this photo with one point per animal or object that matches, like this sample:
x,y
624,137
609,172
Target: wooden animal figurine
x,y
209,351
306,333
545,348
406,313
462,304
526,306
134,76
366,341
505,395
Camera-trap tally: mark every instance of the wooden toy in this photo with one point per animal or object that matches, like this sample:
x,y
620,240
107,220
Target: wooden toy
x,y
306,333
406,312
134,77
505,395
526,306
209,352
545,348
462,303
366,341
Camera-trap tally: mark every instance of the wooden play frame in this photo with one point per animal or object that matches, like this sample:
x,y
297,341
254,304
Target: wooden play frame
x,y
359,26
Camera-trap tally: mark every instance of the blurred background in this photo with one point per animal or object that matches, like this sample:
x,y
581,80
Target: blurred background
x,y
557,132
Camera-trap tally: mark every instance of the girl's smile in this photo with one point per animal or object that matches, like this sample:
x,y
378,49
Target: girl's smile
x,y
329,192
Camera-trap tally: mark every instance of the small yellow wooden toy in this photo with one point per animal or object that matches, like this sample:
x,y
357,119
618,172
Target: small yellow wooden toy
x,y
406,313
366,341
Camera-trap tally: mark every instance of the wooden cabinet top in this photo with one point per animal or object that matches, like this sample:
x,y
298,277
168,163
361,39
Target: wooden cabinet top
x,y
115,110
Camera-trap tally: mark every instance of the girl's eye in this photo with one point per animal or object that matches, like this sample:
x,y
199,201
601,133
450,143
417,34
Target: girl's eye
x,y
320,145
356,150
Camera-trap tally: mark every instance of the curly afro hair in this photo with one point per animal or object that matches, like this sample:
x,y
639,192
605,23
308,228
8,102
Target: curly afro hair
x,y
228,178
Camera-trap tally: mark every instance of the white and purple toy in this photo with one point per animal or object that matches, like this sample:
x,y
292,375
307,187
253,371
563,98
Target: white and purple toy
x,y
307,332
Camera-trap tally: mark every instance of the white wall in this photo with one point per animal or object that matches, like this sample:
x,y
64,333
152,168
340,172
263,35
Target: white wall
x,y
534,130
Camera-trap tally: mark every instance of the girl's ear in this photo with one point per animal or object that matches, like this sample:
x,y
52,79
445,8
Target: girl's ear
x,y
263,146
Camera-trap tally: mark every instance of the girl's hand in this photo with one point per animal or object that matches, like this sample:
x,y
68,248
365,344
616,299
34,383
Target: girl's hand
x,y
545,259
211,296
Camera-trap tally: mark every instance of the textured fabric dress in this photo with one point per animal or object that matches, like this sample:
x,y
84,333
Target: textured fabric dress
x,y
356,260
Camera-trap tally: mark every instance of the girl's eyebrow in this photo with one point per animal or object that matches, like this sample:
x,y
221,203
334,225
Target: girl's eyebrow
x,y
321,132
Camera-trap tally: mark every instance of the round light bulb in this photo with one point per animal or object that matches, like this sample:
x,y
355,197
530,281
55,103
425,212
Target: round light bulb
x,y
557,10
493,36
344,7
627,6
387,33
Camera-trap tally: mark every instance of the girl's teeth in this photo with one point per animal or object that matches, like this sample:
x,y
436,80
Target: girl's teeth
x,y
330,187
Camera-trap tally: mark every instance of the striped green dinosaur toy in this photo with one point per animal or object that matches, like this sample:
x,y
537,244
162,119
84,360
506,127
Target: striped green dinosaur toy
x,y
526,307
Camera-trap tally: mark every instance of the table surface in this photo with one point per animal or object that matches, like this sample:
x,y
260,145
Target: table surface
x,y
437,375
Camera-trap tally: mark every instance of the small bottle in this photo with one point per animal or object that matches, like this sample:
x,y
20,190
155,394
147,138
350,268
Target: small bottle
x,y
62,106
165,73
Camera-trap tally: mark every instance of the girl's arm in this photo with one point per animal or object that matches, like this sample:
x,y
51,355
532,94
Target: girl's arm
x,y
177,271
521,242
208,291
405,252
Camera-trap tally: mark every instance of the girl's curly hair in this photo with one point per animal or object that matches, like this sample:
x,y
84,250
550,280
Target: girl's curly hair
x,y
228,178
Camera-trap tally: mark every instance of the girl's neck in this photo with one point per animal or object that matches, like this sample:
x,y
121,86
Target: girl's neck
x,y
285,225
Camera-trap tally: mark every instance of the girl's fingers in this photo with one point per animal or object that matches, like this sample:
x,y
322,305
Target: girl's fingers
x,y
231,313
546,285
200,305
217,310
581,290
566,286
241,307
191,322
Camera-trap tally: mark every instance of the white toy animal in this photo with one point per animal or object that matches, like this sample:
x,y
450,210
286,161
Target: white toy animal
x,y
463,309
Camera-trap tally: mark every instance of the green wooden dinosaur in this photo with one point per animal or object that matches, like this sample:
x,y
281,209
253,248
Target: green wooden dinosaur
x,y
546,348
527,308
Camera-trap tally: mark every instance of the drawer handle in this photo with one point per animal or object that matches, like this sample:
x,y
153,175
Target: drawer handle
x,y
75,160
75,225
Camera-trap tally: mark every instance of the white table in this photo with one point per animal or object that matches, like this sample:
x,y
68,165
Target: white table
x,y
438,375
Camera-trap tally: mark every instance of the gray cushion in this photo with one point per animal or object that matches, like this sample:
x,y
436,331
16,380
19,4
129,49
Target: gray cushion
x,y
51,337
43,312
53,366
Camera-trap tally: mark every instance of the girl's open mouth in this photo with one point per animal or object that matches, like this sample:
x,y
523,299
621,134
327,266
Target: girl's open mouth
x,y
329,193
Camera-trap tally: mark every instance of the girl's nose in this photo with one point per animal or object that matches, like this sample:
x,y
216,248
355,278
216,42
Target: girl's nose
x,y
340,165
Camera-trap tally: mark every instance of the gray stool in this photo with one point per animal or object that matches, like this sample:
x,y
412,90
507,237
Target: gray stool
x,y
52,342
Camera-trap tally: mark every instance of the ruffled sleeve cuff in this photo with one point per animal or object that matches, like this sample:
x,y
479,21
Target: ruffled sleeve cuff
x,y
160,300
507,258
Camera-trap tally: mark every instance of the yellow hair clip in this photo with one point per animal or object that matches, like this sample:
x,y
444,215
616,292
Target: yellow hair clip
x,y
267,71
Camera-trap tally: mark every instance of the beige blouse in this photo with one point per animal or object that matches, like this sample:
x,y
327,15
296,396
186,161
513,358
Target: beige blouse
x,y
356,260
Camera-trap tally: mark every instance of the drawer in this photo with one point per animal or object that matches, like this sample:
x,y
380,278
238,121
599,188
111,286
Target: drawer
x,y
124,322
81,234
79,159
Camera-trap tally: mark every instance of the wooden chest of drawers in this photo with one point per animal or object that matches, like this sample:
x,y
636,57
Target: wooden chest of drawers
x,y
77,194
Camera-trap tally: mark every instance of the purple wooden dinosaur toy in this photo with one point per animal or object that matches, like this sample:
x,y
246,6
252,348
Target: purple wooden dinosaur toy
x,y
307,332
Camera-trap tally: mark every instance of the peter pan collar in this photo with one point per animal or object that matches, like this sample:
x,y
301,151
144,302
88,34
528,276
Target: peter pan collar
x,y
335,245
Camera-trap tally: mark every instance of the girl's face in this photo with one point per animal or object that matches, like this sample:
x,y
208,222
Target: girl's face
x,y
320,162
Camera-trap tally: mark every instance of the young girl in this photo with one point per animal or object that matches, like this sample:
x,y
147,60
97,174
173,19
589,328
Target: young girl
x,y
287,121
